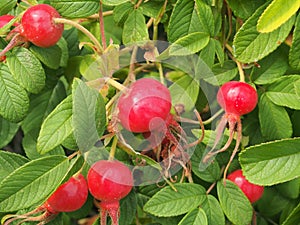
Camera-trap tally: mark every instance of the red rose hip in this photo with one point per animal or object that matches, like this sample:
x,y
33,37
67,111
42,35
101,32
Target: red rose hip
x,y
38,25
252,191
144,105
236,97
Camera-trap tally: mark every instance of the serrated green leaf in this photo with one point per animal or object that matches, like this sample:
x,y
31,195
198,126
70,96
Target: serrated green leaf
x,y
294,55
213,211
128,206
167,202
183,21
32,183
294,217
7,131
135,29
56,127
113,2
250,46
283,93
89,115
121,13
206,18
276,14
9,162
13,98
234,203
27,70
75,8
207,54
41,105
49,56
195,217
6,6
270,68
222,74
274,120
189,44
211,173
185,92
273,162
244,9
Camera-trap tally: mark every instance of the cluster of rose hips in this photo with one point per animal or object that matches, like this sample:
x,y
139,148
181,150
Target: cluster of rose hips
x,y
108,181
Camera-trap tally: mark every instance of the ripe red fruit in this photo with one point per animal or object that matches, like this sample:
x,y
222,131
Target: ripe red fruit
x,y
70,196
236,97
252,191
5,19
38,25
144,105
109,181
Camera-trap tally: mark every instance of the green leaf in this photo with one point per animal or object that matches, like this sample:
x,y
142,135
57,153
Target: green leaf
x,y
244,9
234,203
6,6
13,98
29,143
32,183
27,70
195,217
49,56
283,93
208,53
221,74
189,44
213,211
56,127
167,202
290,189
219,51
276,14
270,68
121,13
250,46
273,162
75,8
211,173
114,2
206,18
41,105
128,206
63,45
89,115
183,21
294,217
9,162
135,28
274,120
185,92
7,131
294,56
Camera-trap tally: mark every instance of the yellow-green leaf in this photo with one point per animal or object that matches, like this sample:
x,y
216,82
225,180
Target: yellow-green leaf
x,y
276,14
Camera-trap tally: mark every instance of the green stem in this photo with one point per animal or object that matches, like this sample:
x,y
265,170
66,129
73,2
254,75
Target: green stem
x,y
213,117
113,149
83,30
115,84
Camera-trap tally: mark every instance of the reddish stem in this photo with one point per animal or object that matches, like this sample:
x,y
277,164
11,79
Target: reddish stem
x,y
15,41
101,22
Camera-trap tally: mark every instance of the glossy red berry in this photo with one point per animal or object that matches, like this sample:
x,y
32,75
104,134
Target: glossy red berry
x,y
109,180
144,105
69,196
5,19
38,25
237,98
252,191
